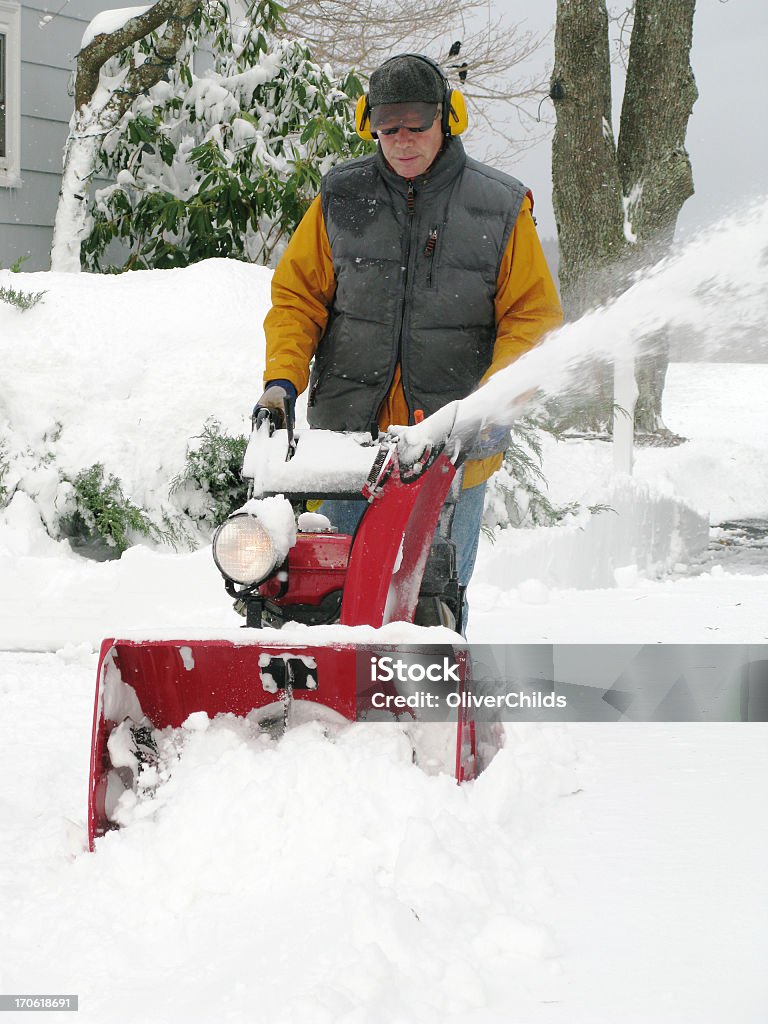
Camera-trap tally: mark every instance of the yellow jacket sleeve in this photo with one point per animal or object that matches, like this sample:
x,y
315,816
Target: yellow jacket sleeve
x,y
527,306
303,286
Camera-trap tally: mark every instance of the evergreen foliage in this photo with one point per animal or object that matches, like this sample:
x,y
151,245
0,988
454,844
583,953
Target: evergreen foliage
x,y
226,162
15,267
21,300
211,477
516,494
103,513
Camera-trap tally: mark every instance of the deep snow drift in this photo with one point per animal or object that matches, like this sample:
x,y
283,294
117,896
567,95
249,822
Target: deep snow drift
x,y
591,875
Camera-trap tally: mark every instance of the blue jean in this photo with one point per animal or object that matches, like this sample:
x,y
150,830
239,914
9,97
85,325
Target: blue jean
x,y
467,521
345,514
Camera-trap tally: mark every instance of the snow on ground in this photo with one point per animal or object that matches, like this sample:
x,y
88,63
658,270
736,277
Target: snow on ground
x,y
722,471
593,874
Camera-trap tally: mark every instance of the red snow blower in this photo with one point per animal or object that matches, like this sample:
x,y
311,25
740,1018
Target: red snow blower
x,y
288,569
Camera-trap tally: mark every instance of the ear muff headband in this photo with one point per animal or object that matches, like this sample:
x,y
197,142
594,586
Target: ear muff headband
x,y
455,118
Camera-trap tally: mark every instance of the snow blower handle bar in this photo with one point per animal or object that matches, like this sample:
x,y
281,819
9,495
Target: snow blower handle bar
x,y
390,455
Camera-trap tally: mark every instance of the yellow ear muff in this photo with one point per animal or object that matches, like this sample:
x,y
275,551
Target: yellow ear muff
x,y
363,119
458,118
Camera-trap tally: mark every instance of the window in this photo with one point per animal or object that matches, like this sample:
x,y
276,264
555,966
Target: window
x,y
10,88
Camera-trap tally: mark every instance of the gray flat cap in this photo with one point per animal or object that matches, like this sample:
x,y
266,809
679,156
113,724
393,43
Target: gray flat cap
x,y
406,79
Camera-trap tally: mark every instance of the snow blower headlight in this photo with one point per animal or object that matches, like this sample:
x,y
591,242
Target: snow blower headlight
x,y
243,550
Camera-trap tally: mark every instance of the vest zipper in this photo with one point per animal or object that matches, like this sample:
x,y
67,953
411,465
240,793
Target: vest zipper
x,y
429,250
410,202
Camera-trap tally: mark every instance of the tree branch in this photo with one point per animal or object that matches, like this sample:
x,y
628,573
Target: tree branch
x,y
106,45
364,33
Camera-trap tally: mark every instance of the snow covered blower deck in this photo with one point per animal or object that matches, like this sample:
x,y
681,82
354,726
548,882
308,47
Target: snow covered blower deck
x,y
287,569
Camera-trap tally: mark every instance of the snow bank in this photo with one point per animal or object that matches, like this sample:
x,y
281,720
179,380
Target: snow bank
x,y
323,878
326,879
642,529
125,370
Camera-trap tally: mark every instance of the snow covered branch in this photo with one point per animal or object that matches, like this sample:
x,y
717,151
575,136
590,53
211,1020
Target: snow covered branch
x,y
101,101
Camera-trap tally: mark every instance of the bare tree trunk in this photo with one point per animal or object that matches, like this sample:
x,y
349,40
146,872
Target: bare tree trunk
x,y
655,169
659,96
98,109
586,188
605,198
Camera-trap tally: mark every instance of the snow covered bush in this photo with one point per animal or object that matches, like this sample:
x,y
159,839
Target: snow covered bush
x,y
4,466
211,486
224,163
21,300
515,496
101,514
101,511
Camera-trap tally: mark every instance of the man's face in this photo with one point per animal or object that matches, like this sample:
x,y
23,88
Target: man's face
x,y
410,153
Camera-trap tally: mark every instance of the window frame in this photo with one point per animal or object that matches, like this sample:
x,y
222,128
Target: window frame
x,y
10,27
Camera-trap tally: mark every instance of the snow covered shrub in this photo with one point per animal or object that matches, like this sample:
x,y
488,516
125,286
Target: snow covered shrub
x,y
515,495
103,514
210,486
225,163
4,466
21,300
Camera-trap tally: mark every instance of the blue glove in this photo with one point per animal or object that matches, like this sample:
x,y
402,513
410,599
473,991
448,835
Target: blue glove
x,y
491,440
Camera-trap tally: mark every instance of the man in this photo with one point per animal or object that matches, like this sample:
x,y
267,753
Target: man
x,y
415,275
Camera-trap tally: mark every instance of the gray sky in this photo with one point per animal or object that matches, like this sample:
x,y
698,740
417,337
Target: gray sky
x,y
728,131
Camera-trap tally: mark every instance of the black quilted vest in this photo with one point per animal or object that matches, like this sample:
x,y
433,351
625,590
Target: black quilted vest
x,y
415,284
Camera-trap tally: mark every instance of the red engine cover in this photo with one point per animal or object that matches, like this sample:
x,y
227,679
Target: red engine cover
x,y
317,565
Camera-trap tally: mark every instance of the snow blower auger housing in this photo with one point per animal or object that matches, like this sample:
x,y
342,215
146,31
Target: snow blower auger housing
x,y
283,564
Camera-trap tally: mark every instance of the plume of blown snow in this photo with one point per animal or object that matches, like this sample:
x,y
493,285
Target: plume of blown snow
x,y
715,288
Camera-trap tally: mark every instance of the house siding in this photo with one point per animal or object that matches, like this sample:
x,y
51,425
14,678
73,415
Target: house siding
x,y
27,211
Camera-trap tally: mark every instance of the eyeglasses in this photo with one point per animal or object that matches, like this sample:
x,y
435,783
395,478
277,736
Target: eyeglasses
x,y
398,127
388,118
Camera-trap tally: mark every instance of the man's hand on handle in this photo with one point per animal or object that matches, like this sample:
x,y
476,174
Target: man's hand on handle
x,y
279,399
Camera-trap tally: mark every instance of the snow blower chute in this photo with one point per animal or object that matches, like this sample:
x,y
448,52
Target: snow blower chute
x,y
284,564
